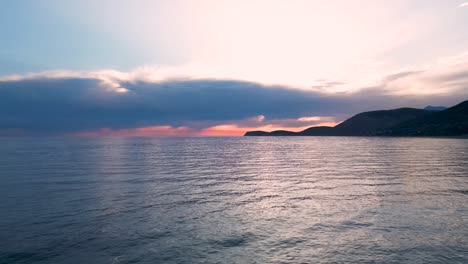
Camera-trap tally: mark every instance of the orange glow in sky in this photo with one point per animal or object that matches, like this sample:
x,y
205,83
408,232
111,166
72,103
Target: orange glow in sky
x,y
219,130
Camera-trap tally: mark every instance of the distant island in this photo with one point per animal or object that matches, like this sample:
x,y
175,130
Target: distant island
x,y
432,121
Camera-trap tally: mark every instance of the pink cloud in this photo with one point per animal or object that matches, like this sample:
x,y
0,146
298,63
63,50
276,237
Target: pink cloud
x,y
12,132
137,132
218,130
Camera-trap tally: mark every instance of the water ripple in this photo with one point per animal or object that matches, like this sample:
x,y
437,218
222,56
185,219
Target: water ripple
x,y
233,200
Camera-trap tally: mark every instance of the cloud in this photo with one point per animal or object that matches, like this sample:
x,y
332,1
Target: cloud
x,y
141,131
148,102
309,118
217,130
463,4
325,85
448,75
66,105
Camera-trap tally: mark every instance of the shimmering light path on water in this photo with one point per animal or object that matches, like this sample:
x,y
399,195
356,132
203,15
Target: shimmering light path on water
x,y
233,200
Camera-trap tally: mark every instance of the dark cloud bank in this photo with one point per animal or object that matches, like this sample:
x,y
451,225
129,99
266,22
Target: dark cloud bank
x,y
57,106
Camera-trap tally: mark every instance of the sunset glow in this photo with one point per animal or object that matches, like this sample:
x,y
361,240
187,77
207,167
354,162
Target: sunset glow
x,y
229,130
223,67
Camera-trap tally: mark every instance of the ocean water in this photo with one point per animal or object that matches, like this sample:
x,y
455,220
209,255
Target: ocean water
x,y
233,200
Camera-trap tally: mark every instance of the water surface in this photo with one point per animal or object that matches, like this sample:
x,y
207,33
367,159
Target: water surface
x,y
233,200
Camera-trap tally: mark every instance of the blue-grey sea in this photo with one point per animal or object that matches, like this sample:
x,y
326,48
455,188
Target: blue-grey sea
x,y
233,200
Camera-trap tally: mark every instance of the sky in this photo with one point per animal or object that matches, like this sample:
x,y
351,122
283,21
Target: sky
x,y
222,67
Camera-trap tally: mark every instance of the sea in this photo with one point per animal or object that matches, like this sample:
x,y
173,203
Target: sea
x,y
233,200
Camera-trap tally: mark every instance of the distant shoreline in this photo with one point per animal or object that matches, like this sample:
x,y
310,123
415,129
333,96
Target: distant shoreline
x,y
292,136
402,122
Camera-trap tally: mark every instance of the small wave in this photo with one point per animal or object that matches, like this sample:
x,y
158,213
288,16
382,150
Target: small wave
x,y
233,241
465,192
25,257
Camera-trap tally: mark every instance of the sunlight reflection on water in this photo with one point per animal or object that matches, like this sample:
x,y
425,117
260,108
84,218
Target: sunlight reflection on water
x,y
233,200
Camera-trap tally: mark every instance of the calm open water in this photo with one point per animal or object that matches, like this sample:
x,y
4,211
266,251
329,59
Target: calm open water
x,y
233,200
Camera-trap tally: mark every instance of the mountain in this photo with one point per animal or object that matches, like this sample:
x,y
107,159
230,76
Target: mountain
x,y
318,131
273,133
435,108
256,134
450,122
398,122
363,124
371,123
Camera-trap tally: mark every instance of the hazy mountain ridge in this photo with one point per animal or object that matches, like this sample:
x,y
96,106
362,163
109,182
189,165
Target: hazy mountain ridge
x,y
397,122
450,122
435,108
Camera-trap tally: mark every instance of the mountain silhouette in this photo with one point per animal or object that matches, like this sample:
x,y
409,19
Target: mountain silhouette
x,y
450,122
435,108
397,122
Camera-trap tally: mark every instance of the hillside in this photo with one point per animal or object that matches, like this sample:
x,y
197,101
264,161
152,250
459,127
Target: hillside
x,y
435,108
371,123
450,122
274,133
398,122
